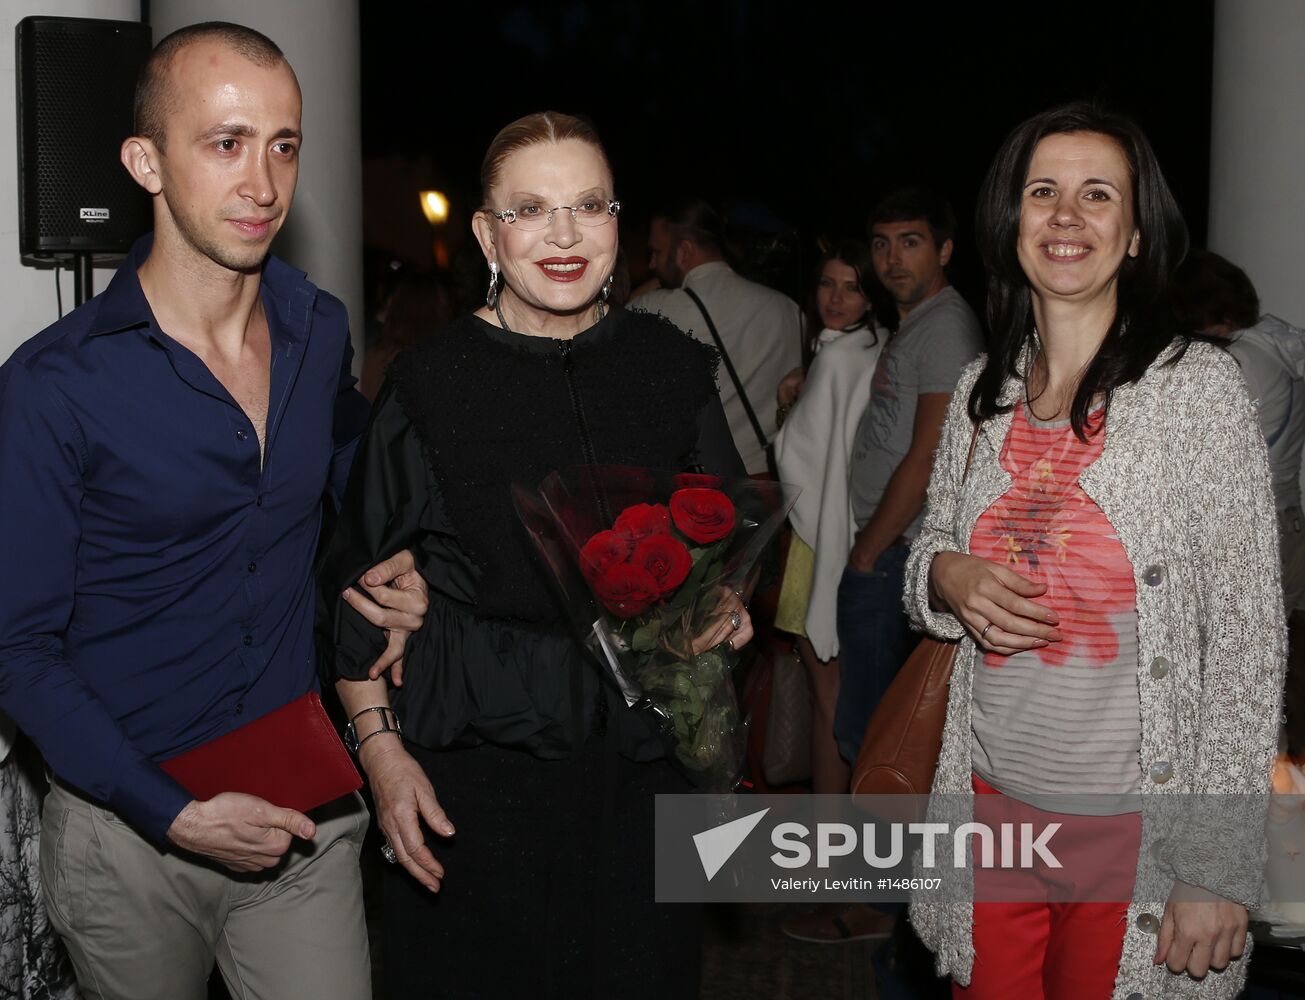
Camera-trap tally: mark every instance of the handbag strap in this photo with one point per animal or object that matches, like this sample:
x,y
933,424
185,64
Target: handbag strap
x,y
729,367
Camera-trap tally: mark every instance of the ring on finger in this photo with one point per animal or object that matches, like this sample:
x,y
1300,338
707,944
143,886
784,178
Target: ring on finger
x,y
984,634
736,620
387,852
729,644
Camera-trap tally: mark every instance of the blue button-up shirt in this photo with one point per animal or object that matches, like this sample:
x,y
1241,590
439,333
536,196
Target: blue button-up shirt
x,y
158,577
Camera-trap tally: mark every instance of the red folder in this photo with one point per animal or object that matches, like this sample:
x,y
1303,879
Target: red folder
x,y
291,757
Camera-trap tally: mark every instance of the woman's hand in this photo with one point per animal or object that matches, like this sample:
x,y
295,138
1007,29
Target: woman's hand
x,y
403,794
722,629
1201,931
985,596
790,387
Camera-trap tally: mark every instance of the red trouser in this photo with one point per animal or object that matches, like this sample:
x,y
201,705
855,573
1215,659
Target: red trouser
x,y
1053,947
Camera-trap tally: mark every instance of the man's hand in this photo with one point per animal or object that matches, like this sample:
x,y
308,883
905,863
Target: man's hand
x,y
400,601
403,795
1201,931
864,555
243,832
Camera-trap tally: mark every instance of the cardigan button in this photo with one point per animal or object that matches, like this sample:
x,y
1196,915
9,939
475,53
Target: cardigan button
x,y
1161,771
1148,923
1154,575
1159,667
1136,996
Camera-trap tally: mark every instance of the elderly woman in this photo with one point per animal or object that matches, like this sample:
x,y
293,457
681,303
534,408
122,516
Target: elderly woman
x,y
549,778
1109,563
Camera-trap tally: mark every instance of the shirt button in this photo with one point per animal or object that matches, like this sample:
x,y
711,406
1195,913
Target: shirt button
x,y
1161,771
248,640
240,708
241,434
1154,575
1159,667
252,567
1148,923
259,501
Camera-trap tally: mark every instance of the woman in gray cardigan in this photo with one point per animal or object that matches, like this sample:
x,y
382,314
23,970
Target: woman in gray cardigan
x,y
1109,563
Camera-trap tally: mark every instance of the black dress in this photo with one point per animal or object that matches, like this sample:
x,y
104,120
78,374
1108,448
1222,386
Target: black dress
x,y
547,777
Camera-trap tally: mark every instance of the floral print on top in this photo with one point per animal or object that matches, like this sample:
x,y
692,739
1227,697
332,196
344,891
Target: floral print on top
x,y
1047,529
1064,718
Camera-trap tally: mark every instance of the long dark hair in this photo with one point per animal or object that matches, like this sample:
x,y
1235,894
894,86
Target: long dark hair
x,y
856,255
1142,326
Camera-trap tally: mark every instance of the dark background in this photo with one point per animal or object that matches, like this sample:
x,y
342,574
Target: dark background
x,y
795,116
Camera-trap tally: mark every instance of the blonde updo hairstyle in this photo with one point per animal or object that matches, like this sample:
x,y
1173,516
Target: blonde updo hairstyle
x,y
542,126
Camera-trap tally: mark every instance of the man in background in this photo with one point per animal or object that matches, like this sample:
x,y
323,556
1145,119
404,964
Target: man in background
x,y
758,330
911,241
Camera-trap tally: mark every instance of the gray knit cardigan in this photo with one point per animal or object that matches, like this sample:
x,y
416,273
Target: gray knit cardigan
x,y
1184,480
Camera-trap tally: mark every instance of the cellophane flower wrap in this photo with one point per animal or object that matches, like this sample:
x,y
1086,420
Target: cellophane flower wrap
x,y
643,560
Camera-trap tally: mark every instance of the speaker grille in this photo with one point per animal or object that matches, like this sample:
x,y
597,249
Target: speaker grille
x,y
76,82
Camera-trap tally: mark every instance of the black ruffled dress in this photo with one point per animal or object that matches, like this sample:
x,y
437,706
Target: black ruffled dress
x,y
548,778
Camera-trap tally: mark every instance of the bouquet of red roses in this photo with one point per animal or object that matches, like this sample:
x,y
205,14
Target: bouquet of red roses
x,y
644,560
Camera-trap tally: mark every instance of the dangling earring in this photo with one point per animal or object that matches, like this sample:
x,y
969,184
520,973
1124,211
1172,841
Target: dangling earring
x,y
606,290
491,296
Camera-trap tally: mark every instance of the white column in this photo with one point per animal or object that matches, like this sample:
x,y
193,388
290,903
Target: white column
x,y
1257,148
30,302
323,234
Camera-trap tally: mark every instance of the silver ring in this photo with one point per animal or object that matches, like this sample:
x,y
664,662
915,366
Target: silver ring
x,y
729,644
736,620
387,852
984,634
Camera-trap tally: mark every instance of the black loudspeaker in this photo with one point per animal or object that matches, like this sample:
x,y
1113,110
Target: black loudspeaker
x,y
76,85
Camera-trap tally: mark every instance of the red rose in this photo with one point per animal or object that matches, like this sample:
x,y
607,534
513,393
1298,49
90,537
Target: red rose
x,y
703,515
665,558
640,520
688,480
602,551
626,590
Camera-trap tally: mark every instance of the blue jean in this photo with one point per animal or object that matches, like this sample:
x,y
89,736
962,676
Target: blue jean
x,y
874,638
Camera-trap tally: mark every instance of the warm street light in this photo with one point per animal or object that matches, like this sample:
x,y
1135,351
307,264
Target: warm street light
x,y
435,207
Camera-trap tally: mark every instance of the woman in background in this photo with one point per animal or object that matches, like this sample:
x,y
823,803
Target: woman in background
x,y
813,450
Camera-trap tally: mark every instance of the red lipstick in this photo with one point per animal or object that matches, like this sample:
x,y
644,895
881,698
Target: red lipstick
x,y
563,268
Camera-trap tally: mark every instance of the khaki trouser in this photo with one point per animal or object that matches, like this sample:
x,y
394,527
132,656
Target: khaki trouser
x,y
143,924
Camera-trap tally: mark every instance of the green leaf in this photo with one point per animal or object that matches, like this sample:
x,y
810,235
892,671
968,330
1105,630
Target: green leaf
x,y
644,639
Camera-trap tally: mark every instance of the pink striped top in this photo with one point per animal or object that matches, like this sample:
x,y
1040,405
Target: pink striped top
x,y
1064,718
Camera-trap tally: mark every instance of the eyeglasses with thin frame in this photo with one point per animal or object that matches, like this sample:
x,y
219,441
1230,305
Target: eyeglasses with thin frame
x,y
531,216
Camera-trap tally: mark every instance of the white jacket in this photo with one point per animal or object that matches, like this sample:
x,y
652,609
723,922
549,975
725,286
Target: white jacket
x,y
814,451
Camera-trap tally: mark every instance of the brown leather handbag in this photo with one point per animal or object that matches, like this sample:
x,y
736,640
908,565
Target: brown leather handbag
x,y
899,753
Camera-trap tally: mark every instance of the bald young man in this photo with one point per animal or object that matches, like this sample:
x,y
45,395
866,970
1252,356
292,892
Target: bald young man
x,y
164,451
